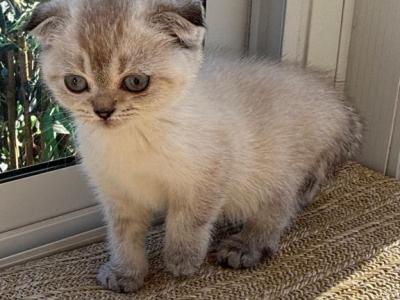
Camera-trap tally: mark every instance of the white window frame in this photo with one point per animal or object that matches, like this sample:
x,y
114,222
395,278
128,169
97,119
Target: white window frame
x,y
51,211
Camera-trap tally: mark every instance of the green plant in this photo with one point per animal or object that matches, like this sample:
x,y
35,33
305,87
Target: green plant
x,y
33,128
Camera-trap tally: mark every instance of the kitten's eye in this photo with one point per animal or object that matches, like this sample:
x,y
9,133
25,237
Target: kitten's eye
x,y
75,83
136,83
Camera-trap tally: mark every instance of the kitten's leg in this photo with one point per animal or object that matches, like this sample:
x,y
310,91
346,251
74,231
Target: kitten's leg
x,y
188,228
127,268
259,237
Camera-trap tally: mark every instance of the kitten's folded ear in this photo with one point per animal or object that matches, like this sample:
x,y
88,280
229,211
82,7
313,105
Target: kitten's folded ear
x,y
184,20
47,20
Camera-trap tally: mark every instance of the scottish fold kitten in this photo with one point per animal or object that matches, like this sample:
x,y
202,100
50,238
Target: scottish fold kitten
x,y
161,130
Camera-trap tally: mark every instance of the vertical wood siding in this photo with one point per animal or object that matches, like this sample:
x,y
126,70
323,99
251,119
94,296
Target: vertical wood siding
x,y
373,80
317,34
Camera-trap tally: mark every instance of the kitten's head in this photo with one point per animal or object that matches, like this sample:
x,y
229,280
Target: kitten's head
x,y
108,61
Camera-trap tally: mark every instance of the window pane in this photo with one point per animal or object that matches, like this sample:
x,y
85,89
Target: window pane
x,y
33,128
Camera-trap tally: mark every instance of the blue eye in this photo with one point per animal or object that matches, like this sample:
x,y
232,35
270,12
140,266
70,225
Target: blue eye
x,y
136,83
76,84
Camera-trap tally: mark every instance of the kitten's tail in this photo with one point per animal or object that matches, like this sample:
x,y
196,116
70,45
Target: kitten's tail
x,y
355,133
350,142
345,147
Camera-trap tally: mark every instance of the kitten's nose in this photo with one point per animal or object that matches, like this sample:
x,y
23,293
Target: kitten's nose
x,y
105,114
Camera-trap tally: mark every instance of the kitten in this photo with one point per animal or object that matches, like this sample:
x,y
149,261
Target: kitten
x,y
160,130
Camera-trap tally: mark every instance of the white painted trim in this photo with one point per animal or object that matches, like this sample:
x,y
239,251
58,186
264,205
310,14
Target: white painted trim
x,y
90,230
69,243
296,30
255,23
49,231
394,124
373,81
41,197
344,42
228,25
317,34
267,23
324,36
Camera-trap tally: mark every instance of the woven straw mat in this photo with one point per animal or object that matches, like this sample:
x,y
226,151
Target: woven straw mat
x,y
345,245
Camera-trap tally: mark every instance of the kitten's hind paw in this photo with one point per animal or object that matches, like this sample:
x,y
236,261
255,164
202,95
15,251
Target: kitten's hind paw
x,y
236,253
112,279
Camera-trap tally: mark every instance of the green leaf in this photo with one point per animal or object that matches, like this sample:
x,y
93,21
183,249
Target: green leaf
x,y
60,129
3,24
48,136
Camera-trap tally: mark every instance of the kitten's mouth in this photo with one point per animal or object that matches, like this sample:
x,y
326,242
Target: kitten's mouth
x,y
109,123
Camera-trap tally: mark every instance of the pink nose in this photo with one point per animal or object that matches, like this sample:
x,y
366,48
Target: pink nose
x,y
104,114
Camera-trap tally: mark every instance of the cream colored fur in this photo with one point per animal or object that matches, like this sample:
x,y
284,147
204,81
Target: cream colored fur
x,y
247,139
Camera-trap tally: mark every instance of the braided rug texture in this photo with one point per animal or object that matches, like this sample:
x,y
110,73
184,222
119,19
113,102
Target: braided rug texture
x,y
345,245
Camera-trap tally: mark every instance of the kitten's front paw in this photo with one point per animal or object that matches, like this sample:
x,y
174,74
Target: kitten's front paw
x,y
112,279
236,253
180,264
182,267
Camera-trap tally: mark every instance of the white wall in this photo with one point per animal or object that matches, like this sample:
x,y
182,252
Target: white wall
x,y
373,80
358,43
228,24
